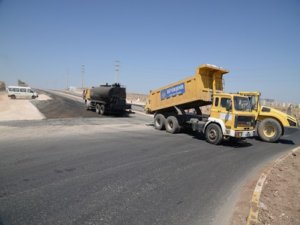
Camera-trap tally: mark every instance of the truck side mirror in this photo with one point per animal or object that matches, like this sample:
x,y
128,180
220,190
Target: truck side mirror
x,y
229,106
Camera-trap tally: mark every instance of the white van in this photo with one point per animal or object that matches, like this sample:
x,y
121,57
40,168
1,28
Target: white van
x,y
21,92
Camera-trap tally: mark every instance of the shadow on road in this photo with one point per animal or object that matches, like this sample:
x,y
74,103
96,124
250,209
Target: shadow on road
x,y
281,141
286,142
1,222
226,143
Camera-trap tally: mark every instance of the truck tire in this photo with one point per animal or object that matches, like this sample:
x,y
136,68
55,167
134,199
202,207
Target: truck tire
x,y
269,130
213,134
13,97
172,125
98,108
102,110
159,122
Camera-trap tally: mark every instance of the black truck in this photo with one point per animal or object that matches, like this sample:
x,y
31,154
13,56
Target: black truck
x,y
106,99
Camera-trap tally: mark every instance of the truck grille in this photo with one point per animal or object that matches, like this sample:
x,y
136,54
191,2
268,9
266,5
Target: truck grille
x,y
244,121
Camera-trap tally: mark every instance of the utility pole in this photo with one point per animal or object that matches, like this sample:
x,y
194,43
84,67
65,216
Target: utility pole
x,y
82,75
117,70
68,78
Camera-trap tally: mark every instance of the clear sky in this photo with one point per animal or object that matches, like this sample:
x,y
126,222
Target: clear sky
x,y
45,42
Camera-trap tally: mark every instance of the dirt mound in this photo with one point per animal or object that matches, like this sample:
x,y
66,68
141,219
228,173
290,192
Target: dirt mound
x,y
280,199
18,109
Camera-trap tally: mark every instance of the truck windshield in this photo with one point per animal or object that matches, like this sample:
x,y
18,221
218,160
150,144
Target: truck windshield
x,y
253,102
242,104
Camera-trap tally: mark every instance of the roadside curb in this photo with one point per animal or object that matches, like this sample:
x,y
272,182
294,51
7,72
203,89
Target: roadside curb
x,y
252,218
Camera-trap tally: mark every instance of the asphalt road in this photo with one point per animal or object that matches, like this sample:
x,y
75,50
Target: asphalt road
x,y
124,172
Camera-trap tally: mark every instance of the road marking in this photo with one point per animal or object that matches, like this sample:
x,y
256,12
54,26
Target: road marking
x,y
254,208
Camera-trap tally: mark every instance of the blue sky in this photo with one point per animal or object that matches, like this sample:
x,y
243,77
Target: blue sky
x,y
157,42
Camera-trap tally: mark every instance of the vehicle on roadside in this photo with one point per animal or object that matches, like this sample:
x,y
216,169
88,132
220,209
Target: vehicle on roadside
x,y
106,99
230,114
271,123
21,92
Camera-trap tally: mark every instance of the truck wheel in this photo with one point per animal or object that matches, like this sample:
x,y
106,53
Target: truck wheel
x,y
172,125
159,122
102,110
98,108
13,97
213,134
33,97
269,130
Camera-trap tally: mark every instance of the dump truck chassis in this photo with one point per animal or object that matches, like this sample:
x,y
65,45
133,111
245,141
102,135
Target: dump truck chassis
x,y
174,121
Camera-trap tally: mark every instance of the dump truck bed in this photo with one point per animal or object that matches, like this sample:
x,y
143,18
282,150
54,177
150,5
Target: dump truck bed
x,y
191,92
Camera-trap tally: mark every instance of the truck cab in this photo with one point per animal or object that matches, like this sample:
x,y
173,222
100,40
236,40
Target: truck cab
x,y
234,114
271,123
230,117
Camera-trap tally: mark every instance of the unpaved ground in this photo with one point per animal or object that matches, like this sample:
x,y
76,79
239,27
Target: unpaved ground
x,y
280,199
20,109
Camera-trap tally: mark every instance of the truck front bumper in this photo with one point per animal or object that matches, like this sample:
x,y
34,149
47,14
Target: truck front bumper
x,y
240,134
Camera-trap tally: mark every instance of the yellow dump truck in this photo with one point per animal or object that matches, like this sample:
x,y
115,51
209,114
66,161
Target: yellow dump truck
x,y
271,123
230,115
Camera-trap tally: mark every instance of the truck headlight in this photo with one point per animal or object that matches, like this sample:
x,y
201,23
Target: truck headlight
x,y
292,123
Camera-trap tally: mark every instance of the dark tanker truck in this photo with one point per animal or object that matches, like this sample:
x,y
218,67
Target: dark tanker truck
x,y
106,99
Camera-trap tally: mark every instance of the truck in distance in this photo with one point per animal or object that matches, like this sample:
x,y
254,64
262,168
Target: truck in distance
x,y
271,123
106,99
230,114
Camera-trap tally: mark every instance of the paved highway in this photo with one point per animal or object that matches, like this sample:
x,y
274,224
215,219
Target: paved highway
x,y
119,170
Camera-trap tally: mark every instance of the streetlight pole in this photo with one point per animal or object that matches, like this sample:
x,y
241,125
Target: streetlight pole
x,y
82,75
68,78
117,69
